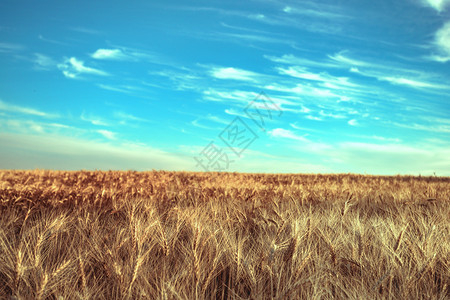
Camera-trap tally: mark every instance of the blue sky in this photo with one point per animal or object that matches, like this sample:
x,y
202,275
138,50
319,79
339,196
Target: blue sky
x,y
348,86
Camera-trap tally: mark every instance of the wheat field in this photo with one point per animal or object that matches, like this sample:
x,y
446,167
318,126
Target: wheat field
x,y
185,235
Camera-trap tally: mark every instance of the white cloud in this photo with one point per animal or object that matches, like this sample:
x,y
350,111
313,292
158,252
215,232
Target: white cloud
x,y
42,38
107,134
86,30
112,54
127,89
316,10
10,47
210,118
234,74
431,128
125,117
234,112
241,96
413,83
44,62
112,88
328,80
353,122
304,109
439,5
313,118
73,67
331,115
196,123
24,110
130,54
290,59
246,38
257,16
93,120
392,74
442,44
297,89
217,119
339,57
286,133
28,126
300,92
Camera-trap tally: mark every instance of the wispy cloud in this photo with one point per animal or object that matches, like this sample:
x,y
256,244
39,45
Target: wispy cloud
x,y
107,134
29,126
44,62
113,88
94,120
339,57
442,44
223,95
47,40
128,54
392,74
200,122
328,80
290,59
10,47
286,133
353,122
126,117
197,123
436,128
86,30
309,117
127,89
237,113
438,5
72,68
331,115
313,11
295,126
182,79
234,74
24,110
112,54
217,119
413,83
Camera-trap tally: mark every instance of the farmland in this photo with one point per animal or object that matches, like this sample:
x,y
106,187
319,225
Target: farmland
x,y
186,235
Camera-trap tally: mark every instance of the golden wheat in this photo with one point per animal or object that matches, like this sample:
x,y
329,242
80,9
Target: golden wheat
x,y
185,235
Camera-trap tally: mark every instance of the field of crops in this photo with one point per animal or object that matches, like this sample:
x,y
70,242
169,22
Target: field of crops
x,y
182,235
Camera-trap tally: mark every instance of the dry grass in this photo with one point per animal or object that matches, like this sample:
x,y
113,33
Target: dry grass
x,y
178,235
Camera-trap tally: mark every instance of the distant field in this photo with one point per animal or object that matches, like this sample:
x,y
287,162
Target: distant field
x,y
181,235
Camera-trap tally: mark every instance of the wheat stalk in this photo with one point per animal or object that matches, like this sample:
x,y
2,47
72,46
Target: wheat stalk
x,y
288,255
398,240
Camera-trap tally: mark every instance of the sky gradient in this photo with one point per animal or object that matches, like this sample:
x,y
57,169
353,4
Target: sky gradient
x,y
344,86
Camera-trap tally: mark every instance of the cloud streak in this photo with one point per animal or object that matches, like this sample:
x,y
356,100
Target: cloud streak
x,y
107,134
10,47
234,74
109,54
73,68
287,134
4,106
